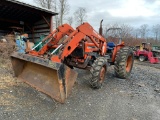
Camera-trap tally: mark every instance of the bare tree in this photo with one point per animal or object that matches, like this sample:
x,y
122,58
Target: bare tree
x,y
156,31
55,8
126,31
59,6
80,15
70,20
45,3
64,9
136,33
143,30
110,32
51,5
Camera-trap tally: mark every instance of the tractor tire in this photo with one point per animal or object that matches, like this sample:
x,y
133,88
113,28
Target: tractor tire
x,y
98,72
142,58
124,62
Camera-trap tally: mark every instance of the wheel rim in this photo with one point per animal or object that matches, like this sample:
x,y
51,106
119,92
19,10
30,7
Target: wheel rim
x,y
141,58
102,74
129,63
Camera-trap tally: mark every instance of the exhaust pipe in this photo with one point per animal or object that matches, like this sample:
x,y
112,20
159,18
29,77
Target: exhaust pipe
x,y
100,28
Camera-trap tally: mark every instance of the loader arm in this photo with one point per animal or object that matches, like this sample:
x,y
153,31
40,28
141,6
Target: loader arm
x,y
84,32
54,38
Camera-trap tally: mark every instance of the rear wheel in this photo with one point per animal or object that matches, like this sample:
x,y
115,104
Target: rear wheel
x,y
142,58
98,71
124,62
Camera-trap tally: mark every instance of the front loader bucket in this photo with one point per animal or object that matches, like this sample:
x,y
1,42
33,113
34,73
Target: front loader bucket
x,y
54,79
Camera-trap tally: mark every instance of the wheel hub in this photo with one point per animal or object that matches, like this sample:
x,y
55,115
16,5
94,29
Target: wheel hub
x,y
129,63
102,74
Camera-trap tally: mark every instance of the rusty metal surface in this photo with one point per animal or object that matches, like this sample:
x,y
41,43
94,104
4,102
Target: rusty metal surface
x,y
37,60
55,80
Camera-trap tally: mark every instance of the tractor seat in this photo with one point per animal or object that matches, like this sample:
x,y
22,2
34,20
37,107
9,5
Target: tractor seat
x,y
110,45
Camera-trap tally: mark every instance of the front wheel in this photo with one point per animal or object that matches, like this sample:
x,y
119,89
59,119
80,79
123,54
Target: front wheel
x,y
142,58
98,72
124,62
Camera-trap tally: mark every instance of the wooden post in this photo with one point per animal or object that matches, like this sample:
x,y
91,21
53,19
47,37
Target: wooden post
x,y
51,24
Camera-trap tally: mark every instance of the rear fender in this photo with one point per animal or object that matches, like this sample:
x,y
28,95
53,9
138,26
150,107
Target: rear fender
x,y
116,49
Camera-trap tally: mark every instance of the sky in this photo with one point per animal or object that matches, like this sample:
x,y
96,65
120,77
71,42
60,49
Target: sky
x,y
132,12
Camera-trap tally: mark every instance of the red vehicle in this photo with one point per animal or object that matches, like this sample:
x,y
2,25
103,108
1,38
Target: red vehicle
x,y
144,52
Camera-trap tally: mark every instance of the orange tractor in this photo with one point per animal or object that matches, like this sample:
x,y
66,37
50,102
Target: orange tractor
x,y
51,69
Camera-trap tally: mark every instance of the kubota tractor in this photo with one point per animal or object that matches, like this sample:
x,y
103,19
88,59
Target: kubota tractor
x,y
51,69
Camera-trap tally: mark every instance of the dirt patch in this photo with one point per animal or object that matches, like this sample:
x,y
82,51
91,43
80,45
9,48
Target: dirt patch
x,y
136,98
147,63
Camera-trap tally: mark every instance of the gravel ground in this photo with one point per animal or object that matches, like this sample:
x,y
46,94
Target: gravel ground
x,y
137,98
